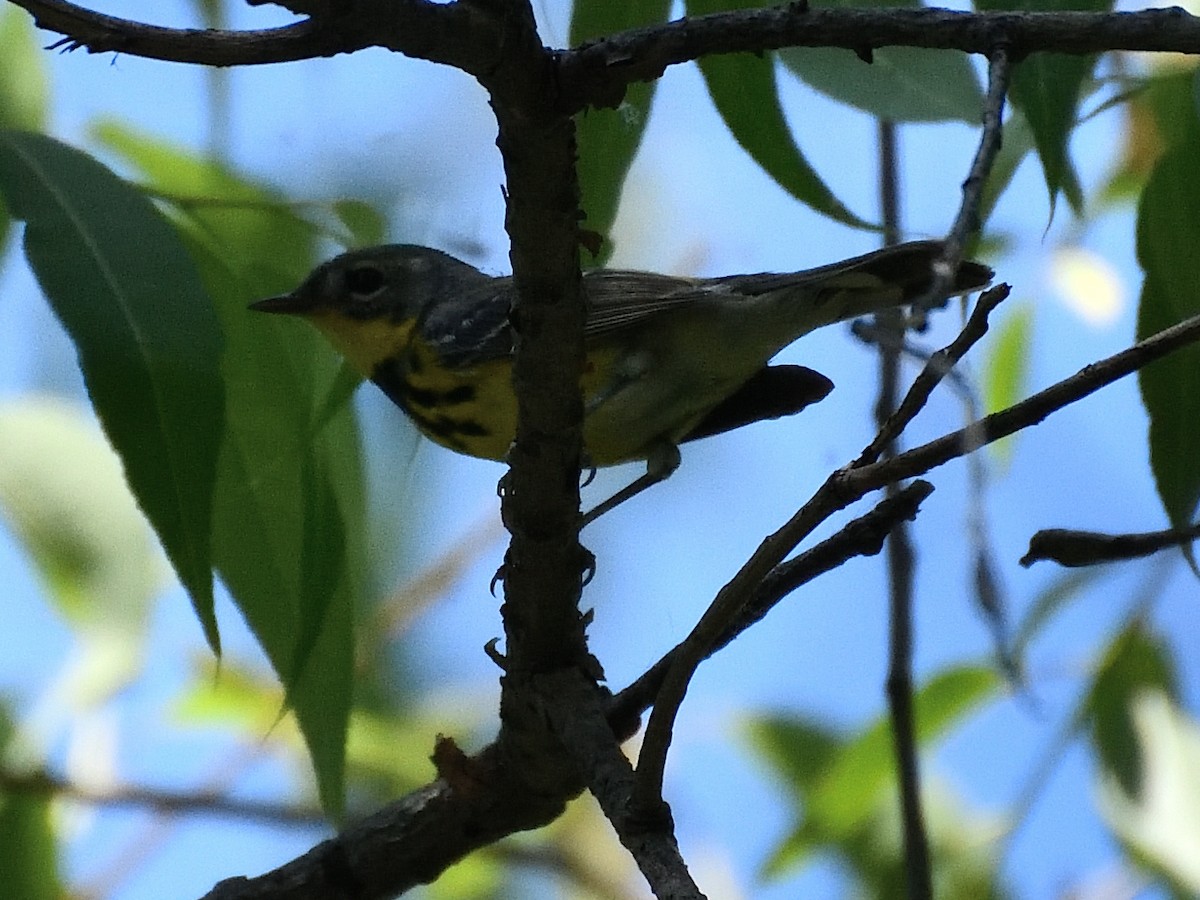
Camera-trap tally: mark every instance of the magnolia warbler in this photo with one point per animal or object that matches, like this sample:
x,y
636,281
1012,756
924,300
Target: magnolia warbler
x,y
668,359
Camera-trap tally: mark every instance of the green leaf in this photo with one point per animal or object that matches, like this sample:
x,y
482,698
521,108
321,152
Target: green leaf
x,y
1061,592
608,139
149,345
290,493
29,867
64,495
1046,88
364,223
743,87
846,794
1136,661
1160,829
837,782
904,84
1006,368
1168,233
798,750
24,83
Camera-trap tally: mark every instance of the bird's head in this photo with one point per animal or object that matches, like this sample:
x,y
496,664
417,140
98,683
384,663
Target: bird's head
x,y
367,301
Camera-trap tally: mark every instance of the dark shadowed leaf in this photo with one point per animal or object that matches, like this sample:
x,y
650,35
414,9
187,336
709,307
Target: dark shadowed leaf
x,y
1046,88
1136,662
608,139
1168,233
904,84
127,292
743,88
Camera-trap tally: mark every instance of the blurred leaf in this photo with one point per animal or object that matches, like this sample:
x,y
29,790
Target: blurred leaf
x,y
29,852
288,459
1137,661
24,81
64,495
742,85
1066,588
1046,88
231,695
24,85
363,221
837,783
799,751
1172,99
904,84
964,848
1161,825
608,139
1006,368
848,790
149,346
1168,233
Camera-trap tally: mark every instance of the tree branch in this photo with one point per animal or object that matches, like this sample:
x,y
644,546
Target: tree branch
x,y
162,801
596,73
863,536
1073,549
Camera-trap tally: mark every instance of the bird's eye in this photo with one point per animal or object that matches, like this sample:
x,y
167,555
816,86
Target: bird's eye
x,y
364,282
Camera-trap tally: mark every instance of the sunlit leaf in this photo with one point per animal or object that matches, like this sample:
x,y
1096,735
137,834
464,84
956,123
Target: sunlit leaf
x,y
24,82
149,345
798,750
838,782
364,223
608,139
1006,367
847,791
65,499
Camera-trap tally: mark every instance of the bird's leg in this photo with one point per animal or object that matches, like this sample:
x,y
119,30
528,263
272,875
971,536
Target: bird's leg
x,y
661,462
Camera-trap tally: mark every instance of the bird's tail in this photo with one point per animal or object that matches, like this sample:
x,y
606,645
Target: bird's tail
x,y
893,276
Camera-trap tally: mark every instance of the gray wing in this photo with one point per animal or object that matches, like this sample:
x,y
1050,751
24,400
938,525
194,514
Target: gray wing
x,y
618,299
891,276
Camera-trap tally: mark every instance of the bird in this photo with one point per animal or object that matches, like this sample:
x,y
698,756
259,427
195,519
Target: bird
x,y
668,359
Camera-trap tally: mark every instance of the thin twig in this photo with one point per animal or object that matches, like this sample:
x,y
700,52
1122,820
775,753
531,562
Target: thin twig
x,y
847,486
1073,549
853,483
940,364
862,536
900,561
161,800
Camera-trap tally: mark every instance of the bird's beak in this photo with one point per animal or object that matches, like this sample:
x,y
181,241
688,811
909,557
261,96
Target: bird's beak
x,y
289,304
